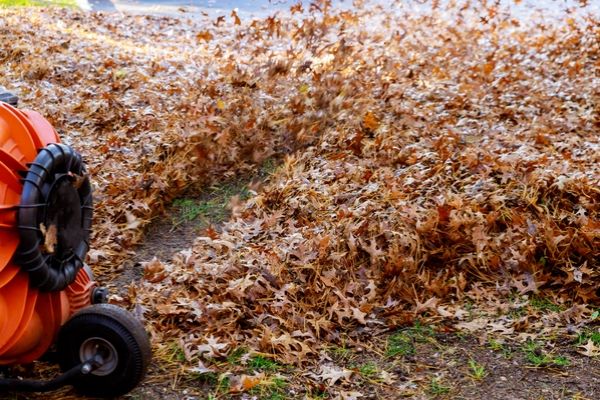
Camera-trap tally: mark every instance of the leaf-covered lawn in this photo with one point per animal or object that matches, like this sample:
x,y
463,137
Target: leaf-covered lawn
x,y
38,3
440,167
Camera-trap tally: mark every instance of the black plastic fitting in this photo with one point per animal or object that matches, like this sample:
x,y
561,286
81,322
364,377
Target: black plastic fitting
x,y
54,218
8,97
99,295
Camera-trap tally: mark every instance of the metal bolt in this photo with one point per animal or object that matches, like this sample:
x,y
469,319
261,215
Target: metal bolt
x,y
86,368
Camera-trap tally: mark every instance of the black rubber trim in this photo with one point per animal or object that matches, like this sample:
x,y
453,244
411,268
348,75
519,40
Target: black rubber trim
x,y
56,191
23,385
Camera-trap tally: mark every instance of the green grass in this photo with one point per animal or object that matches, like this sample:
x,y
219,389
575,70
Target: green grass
x,y
586,335
209,378
319,393
478,371
176,352
502,348
272,389
268,167
368,370
340,353
544,304
260,363
402,343
191,209
436,388
213,207
223,385
235,357
38,3
538,358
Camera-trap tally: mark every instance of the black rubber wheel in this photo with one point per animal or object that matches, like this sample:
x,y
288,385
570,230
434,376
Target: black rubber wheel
x,y
118,337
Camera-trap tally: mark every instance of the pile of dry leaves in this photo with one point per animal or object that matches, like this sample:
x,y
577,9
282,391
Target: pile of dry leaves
x,y
152,104
439,150
446,154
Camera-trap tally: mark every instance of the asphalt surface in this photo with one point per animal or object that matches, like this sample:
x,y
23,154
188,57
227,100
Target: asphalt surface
x,y
190,8
522,9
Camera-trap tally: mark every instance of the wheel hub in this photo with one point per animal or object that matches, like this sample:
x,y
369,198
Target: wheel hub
x,y
96,346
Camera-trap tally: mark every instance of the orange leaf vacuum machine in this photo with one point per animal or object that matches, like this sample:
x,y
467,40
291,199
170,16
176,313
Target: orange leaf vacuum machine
x,y
50,306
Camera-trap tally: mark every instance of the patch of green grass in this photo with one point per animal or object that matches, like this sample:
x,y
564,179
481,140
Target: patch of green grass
x,y
544,304
208,378
402,343
478,371
538,358
38,3
268,167
272,389
517,313
368,370
561,361
586,335
260,363
213,207
340,353
223,385
235,357
175,352
436,388
226,191
190,209
318,394
502,348
422,333
461,336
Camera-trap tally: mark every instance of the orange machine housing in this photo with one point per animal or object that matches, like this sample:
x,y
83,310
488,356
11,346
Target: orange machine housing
x,y
29,318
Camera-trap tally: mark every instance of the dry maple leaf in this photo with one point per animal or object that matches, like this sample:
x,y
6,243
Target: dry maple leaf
x,y
370,121
212,348
332,374
204,35
236,18
590,349
348,395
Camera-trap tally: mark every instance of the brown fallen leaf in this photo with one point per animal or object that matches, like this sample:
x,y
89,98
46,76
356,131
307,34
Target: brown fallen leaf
x,y
50,238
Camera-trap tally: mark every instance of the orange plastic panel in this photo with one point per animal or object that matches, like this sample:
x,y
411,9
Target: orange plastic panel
x,y
11,162
45,332
7,274
15,139
29,320
15,296
43,132
3,311
14,345
10,193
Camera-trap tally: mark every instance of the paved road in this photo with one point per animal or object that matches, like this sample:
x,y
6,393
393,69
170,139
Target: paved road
x,y
190,7
248,8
